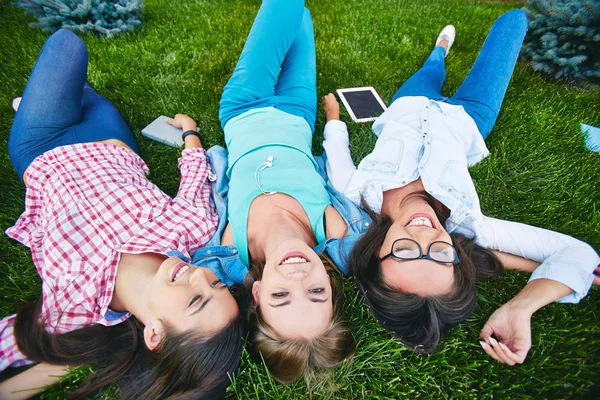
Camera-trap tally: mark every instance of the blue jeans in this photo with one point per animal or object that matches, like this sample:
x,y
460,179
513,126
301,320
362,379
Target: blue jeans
x,y
59,108
483,90
277,67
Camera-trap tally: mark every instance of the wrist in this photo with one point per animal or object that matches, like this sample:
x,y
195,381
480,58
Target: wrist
x,y
333,117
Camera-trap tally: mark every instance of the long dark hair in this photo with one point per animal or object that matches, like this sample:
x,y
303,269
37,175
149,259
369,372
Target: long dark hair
x,y
185,365
290,359
419,322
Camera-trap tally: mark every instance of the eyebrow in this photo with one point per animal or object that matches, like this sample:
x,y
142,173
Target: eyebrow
x,y
285,303
202,306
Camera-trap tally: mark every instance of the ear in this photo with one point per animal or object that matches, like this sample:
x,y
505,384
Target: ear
x,y
153,334
255,289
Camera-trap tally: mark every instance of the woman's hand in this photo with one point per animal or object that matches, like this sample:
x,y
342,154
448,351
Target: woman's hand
x,y
512,326
185,123
331,107
182,121
597,275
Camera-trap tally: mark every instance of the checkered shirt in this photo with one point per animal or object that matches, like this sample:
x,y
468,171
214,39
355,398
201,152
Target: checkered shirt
x,y
84,205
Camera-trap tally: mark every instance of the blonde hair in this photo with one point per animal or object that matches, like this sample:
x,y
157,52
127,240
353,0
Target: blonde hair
x,y
289,359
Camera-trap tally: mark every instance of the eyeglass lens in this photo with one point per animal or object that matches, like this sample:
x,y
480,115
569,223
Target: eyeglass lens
x,y
409,250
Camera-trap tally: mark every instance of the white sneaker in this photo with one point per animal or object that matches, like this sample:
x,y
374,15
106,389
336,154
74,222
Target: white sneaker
x,y
16,102
448,33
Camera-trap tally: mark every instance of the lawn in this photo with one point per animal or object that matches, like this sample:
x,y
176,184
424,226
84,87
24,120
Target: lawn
x,y
539,173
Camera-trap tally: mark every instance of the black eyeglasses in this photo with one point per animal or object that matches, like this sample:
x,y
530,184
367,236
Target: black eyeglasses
x,y
408,249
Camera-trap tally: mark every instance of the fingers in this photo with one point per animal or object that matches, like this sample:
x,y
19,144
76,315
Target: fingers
x,y
486,332
173,122
597,275
501,353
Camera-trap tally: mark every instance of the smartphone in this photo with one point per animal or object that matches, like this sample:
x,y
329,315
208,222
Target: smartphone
x,y
363,103
162,132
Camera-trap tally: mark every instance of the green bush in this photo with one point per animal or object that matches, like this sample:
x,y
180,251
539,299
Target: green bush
x,y
109,18
564,38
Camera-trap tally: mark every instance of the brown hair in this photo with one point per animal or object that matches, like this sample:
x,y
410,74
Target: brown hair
x,y
185,365
289,359
419,322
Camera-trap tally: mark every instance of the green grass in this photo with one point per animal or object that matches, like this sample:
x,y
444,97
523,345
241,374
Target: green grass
x,y
539,172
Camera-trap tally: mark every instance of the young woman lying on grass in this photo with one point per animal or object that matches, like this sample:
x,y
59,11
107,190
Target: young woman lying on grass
x,y
280,207
99,233
429,241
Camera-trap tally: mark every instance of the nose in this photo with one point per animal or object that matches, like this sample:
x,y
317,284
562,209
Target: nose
x,y
297,275
425,237
198,276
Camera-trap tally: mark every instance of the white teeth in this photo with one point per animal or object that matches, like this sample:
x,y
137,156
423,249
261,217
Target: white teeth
x,y
420,221
181,271
294,260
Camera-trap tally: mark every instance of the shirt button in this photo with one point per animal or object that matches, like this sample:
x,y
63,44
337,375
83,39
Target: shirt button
x,y
464,196
424,120
428,142
366,224
117,245
234,251
450,189
387,165
110,285
372,164
421,167
404,182
209,252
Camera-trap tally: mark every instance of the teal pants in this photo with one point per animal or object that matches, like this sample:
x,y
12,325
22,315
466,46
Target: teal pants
x,y
277,67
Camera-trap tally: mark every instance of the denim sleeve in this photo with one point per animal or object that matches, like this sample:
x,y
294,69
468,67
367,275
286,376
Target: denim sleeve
x,y
340,167
563,258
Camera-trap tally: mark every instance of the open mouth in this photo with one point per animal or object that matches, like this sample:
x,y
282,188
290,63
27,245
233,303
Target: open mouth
x,y
420,220
179,270
294,258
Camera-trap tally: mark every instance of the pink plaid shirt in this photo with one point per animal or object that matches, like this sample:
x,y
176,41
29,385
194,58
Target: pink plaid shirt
x,y
86,204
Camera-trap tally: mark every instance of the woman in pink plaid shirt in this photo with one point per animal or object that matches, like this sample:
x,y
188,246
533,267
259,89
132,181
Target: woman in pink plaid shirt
x,y
99,233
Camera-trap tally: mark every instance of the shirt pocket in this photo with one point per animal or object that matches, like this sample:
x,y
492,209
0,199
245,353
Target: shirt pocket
x,y
456,181
385,158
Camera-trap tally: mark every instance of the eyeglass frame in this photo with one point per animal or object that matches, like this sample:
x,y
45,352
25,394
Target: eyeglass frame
x,y
421,256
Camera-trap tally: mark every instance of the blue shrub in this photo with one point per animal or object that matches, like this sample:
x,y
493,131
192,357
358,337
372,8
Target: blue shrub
x,y
564,38
109,17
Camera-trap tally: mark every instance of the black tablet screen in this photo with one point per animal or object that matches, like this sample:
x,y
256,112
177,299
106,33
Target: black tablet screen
x,y
363,104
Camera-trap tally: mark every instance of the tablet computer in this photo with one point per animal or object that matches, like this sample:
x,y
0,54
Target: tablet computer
x,y
164,133
363,103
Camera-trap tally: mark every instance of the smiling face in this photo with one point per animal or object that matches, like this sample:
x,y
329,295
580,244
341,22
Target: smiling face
x,y
187,298
417,221
294,293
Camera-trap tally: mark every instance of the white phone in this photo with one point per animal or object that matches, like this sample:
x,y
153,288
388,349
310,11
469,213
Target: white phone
x,y
363,103
162,132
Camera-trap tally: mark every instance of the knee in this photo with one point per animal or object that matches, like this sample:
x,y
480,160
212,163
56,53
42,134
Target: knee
x,y
66,41
516,20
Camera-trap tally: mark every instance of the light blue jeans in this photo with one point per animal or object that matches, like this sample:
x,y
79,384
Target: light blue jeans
x,y
277,67
483,90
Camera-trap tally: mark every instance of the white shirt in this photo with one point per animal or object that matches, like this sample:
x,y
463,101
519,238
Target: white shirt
x,y
437,142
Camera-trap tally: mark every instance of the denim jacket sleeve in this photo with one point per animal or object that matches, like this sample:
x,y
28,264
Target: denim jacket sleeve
x,y
356,219
564,259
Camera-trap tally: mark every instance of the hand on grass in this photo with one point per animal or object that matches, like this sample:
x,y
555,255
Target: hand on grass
x,y
597,275
331,107
512,328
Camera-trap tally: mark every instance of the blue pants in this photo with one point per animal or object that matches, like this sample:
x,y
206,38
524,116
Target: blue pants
x,y
277,67
58,106
483,90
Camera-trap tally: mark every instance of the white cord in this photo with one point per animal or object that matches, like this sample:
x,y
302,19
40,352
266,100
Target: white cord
x,y
259,169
